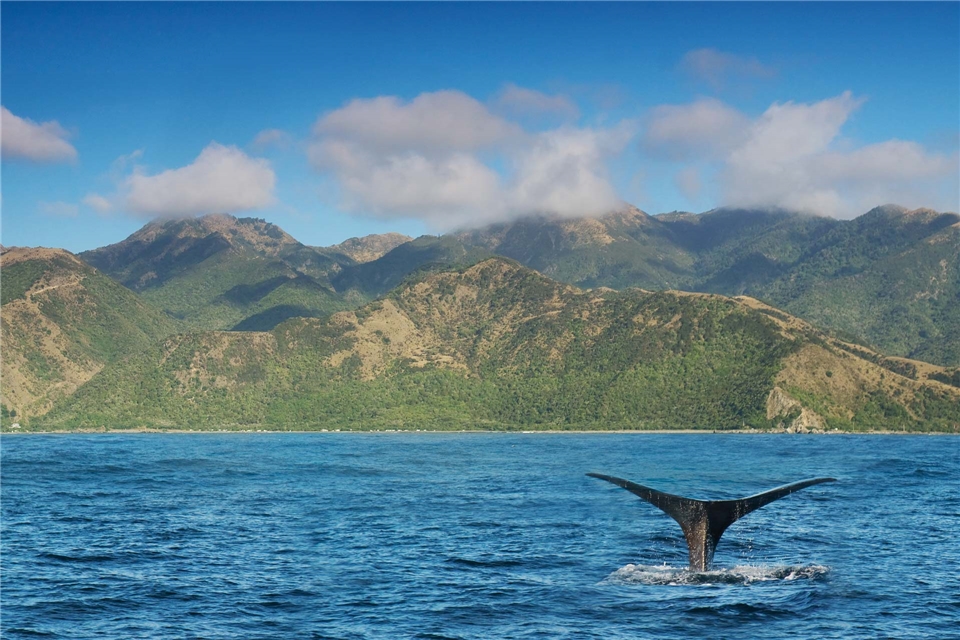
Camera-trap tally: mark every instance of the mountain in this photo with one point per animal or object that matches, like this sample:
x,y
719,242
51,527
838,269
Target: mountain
x,y
888,278
61,322
374,278
222,272
627,248
891,277
365,249
497,345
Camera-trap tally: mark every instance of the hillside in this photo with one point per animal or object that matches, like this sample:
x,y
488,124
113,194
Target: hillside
x,y
221,272
376,277
496,345
888,278
624,249
61,322
365,249
891,277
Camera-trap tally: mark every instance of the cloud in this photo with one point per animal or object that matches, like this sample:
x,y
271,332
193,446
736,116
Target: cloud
x,y
98,203
58,209
221,179
893,160
718,68
777,163
793,156
522,101
442,121
443,191
271,138
563,173
706,127
122,163
689,183
27,140
445,158
789,132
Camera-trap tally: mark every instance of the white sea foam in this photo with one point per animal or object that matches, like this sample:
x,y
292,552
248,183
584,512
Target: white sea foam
x,y
741,574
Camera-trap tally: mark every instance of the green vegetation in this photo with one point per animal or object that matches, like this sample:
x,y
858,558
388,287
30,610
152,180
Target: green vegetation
x,y
379,276
498,346
890,278
225,290
948,377
629,249
219,272
17,279
299,344
64,326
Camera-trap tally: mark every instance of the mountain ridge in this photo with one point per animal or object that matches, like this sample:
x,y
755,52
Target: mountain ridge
x,y
218,271
832,272
61,322
497,345
366,248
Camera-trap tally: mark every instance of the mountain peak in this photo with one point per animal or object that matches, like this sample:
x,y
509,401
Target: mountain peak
x,y
254,233
163,248
901,215
13,255
887,210
368,248
628,212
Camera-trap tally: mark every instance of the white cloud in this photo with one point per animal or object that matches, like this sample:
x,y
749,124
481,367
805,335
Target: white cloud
x,y
893,160
563,173
789,132
706,127
122,163
25,139
689,183
221,179
442,121
794,156
523,101
447,159
58,209
443,191
271,138
718,68
98,203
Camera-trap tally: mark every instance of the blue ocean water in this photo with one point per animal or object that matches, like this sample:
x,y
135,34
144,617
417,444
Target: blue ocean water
x,y
472,536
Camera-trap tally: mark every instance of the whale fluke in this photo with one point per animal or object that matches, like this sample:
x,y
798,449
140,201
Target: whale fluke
x,y
704,521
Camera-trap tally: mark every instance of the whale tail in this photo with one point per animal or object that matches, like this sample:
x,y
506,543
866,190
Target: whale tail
x,y
704,521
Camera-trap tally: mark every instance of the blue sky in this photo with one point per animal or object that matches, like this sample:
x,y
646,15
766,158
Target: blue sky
x,y
338,120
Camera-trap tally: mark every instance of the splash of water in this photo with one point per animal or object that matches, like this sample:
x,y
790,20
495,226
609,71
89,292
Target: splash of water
x,y
741,574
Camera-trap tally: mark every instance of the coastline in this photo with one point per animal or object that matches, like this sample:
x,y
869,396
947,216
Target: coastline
x,y
156,431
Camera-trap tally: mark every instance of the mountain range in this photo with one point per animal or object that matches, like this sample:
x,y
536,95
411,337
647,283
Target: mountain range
x,y
180,295
498,345
890,278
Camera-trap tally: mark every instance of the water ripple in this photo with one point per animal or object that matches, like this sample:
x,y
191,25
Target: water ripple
x,y
470,536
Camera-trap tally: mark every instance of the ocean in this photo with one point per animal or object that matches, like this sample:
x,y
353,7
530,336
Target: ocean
x,y
472,535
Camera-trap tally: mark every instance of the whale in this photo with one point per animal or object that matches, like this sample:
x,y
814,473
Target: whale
x,y
704,521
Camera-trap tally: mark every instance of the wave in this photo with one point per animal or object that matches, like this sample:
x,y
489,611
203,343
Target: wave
x,y
743,574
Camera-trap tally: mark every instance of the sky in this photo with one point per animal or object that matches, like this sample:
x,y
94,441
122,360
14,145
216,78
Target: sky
x,y
340,120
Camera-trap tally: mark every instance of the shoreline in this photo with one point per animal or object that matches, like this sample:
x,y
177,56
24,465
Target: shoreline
x,y
145,430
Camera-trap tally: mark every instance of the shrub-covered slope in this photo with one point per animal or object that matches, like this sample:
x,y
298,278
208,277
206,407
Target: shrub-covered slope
x,y
61,321
498,345
218,272
890,277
